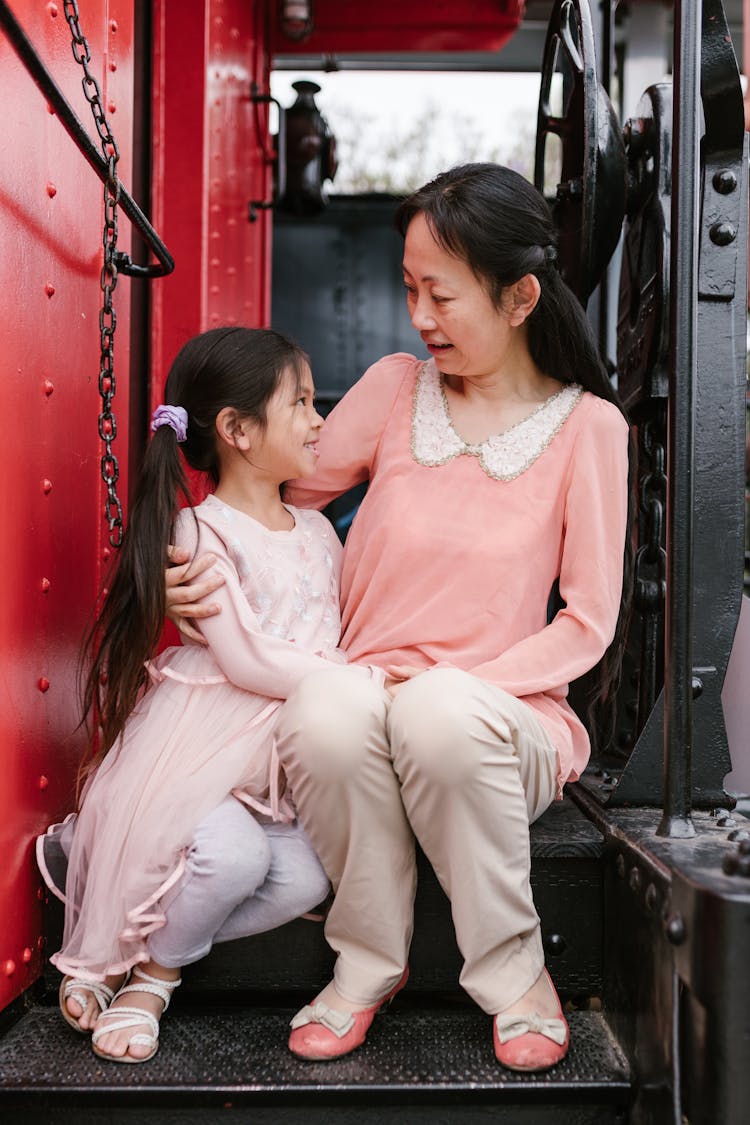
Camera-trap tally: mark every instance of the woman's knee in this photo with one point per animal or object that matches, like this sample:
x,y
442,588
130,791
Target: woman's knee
x,y
435,730
326,727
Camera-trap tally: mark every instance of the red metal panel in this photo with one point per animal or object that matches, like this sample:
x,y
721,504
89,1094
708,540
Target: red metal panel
x,y
421,25
53,537
211,157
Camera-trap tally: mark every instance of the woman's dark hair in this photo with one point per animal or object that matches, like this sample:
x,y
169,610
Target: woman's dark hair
x,y
502,227
226,367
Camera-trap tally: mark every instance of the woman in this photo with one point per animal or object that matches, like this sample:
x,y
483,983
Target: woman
x,y
496,469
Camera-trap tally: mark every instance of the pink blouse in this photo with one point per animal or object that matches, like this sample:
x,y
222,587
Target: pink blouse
x,y
454,551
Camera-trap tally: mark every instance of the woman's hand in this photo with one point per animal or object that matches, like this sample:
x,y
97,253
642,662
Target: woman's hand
x,y
396,677
185,603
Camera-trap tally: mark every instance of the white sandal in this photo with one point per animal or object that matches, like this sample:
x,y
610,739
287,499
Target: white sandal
x,y
120,1019
72,988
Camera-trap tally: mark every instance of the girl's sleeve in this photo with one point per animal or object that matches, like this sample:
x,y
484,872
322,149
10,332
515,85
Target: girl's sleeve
x,y
352,433
249,658
591,568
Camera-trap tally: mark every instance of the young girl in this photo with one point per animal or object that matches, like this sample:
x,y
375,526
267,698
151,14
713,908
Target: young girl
x,y
182,732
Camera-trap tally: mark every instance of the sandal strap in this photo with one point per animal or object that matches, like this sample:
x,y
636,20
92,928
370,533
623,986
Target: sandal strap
x,y
102,993
144,982
123,1018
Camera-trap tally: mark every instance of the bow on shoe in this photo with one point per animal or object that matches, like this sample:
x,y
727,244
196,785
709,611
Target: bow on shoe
x,y
512,1026
337,1022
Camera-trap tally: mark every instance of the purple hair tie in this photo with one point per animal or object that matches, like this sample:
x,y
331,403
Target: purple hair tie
x,y
174,416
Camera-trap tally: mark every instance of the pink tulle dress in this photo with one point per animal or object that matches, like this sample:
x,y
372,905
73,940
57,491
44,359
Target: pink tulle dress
x,y
203,729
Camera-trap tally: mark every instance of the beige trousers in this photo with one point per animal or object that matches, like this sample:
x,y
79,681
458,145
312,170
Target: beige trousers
x,y
452,760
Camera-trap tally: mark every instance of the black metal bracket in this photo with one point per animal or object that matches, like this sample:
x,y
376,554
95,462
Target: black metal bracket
x,y
256,205
26,52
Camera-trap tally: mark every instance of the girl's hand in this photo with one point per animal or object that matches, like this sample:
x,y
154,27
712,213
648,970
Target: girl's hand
x,y
184,603
396,677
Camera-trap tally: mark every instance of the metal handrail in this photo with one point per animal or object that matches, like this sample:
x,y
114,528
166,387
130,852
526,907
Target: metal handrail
x,y
26,52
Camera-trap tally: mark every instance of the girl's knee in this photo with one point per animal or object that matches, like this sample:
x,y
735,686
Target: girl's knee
x,y
235,856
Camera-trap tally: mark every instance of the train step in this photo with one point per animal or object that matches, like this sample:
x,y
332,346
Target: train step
x,y
228,1062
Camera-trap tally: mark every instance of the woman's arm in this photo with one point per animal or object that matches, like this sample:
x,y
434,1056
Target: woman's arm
x,y
351,434
591,568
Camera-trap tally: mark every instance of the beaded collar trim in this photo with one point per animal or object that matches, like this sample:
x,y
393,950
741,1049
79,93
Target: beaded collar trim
x,y
435,441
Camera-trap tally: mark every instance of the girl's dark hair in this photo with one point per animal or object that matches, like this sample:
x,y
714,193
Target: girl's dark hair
x,y
226,367
502,227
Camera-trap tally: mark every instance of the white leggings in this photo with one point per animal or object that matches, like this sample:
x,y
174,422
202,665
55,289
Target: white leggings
x,y
243,876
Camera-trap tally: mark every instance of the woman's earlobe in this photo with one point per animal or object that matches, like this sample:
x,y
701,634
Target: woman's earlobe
x,y
526,294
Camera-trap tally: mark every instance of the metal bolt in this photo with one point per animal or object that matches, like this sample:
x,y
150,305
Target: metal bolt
x,y
43,684
45,585
724,181
111,107
744,847
652,897
43,782
620,866
634,879
46,486
555,944
726,821
51,190
52,9
697,687
26,955
49,289
9,968
113,26
722,233
738,834
675,929
48,387
106,553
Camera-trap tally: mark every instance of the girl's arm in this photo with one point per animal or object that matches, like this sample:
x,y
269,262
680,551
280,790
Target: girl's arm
x,y
249,658
351,435
591,568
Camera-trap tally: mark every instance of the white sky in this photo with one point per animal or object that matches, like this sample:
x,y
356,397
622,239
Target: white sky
x,y
496,109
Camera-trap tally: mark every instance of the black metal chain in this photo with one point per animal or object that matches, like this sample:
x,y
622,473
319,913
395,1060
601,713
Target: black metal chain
x,y
110,469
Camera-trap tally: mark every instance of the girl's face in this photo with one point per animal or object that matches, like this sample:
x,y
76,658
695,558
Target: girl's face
x,y
288,445
462,328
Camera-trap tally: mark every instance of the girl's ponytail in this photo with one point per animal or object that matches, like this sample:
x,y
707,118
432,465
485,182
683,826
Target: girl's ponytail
x,y
130,622
224,367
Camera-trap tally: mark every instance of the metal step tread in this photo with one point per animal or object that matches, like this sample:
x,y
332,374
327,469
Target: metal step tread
x,y
223,1053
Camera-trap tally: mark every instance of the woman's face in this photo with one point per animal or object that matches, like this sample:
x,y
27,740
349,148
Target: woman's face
x,y
462,328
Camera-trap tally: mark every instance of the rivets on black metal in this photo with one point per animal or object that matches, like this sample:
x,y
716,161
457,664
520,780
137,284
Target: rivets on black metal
x,y
726,821
675,929
620,866
722,234
652,897
739,834
635,879
724,181
555,944
697,687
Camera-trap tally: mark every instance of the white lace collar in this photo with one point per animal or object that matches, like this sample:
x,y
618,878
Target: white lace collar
x,y
434,440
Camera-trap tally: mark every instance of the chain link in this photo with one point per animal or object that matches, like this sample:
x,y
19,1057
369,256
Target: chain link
x,y
110,469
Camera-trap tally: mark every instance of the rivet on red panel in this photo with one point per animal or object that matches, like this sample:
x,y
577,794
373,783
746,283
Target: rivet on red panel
x,y
111,107
43,782
234,33
231,222
48,387
51,190
215,262
215,289
52,9
106,553
46,486
9,968
43,684
45,585
231,271
113,66
49,289
113,25
26,955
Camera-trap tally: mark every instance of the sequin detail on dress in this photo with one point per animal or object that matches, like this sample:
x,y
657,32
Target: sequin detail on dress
x,y
434,440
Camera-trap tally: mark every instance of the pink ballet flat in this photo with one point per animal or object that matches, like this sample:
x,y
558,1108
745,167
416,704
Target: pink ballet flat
x,y
528,1041
321,1033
